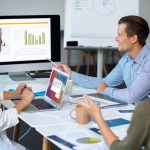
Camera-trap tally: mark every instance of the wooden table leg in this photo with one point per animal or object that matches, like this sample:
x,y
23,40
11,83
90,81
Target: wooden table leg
x,y
46,144
16,132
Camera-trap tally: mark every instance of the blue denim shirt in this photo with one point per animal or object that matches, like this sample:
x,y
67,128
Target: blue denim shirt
x,y
134,73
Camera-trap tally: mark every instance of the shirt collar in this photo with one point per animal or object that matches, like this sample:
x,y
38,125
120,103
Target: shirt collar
x,y
141,55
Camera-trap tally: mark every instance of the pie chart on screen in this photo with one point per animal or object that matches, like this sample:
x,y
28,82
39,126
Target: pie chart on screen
x,y
88,140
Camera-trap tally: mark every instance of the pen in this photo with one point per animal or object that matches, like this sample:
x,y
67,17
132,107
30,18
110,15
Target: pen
x,y
113,106
52,62
126,111
85,100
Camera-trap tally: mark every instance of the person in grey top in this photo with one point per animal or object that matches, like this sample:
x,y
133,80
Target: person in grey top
x,y
138,134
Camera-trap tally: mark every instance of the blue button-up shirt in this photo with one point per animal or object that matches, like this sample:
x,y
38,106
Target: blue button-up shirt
x,y
134,73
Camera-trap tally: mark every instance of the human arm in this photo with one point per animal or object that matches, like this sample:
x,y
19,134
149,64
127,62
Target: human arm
x,y
80,79
94,111
139,89
114,78
138,131
7,95
27,97
9,117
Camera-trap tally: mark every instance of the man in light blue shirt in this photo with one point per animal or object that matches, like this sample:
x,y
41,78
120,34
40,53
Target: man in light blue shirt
x,y
133,69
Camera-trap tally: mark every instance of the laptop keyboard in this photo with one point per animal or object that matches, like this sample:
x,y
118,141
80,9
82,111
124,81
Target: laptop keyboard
x,y
41,104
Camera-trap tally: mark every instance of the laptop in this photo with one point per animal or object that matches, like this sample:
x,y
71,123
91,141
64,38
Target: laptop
x,y
54,94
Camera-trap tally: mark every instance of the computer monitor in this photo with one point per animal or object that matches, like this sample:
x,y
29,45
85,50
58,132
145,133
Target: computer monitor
x,y
27,43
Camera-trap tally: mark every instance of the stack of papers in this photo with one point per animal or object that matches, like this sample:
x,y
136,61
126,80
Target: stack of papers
x,y
83,139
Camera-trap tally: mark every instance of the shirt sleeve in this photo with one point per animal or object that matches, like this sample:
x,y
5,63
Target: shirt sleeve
x,y
139,89
8,118
114,78
138,130
1,96
86,81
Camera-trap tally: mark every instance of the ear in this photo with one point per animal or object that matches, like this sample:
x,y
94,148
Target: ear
x,y
134,39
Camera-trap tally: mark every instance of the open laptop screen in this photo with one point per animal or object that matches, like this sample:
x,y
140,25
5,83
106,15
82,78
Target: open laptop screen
x,y
56,86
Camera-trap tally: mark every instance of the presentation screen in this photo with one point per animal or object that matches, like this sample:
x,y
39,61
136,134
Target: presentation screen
x,y
25,39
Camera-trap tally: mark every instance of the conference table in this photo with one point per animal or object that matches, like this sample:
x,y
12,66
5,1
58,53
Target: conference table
x,y
49,123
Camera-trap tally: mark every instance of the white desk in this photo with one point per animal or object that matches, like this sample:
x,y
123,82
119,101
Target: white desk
x,y
53,129
45,131
50,122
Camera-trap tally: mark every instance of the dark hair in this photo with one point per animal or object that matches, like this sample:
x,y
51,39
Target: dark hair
x,y
136,26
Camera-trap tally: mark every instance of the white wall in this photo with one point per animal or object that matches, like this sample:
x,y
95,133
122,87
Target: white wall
x,y
41,7
32,7
38,7
144,12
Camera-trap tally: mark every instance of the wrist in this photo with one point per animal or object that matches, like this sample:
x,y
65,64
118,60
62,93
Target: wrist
x,y
97,117
8,95
19,107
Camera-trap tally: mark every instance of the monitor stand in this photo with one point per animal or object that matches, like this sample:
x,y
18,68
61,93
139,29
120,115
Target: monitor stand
x,y
19,76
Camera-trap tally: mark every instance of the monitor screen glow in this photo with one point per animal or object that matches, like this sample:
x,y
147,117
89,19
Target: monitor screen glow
x,y
26,39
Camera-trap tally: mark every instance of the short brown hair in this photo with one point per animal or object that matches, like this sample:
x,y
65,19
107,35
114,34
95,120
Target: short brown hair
x,y
136,26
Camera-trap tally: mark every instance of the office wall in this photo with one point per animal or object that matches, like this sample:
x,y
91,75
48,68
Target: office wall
x,y
32,7
144,12
37,7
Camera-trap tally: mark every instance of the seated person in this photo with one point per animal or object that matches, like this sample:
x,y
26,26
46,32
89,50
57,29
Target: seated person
x,y
138,134
9,117
133,69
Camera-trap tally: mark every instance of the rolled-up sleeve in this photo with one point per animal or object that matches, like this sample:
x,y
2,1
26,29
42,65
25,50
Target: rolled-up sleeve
x,y
86,81
139,89
8,118
138,132
114,78
1,96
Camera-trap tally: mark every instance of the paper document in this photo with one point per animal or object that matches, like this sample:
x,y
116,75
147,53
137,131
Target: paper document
x,y
98,101
83,139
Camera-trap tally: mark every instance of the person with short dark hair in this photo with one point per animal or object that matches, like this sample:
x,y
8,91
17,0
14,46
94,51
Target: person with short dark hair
x,y
133,69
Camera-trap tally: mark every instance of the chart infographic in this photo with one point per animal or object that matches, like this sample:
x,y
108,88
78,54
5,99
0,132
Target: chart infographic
x,y
25,39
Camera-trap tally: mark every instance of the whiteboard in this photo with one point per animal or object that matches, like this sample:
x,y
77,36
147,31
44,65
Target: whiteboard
x,y
94,22
33,7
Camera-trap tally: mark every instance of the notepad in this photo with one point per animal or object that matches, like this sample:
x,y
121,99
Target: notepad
x,y
117,122
112,123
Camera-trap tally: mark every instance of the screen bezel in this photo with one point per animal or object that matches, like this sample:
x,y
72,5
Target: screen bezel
x,y
55,38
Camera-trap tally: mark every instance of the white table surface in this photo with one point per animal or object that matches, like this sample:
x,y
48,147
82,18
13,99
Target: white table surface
x,y
35,119
50,122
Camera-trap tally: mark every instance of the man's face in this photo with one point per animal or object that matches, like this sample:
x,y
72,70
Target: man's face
x,y
125,43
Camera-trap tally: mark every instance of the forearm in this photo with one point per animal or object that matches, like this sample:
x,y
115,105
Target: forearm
x,y
20,106
133,93
8,95
86,81
108,135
